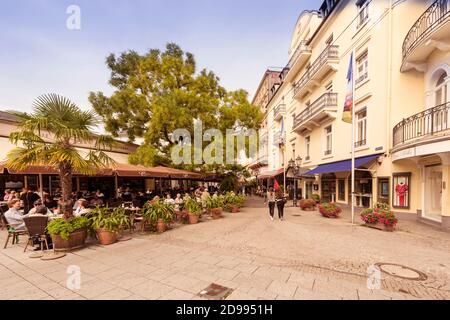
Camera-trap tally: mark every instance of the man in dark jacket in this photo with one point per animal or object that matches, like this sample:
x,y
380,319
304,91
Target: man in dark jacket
x,y
28,199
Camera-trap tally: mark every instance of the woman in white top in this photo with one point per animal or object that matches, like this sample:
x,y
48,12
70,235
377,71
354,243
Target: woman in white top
x,y
178,202
82,208
169,199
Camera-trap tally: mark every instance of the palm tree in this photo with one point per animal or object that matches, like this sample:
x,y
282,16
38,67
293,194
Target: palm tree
x,y
67,126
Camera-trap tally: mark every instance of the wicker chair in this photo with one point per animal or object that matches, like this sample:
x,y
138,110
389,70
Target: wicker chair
x,y
11,232
36,226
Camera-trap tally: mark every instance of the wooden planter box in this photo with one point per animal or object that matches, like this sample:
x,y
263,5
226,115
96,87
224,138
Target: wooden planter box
x,y
77,240
380,226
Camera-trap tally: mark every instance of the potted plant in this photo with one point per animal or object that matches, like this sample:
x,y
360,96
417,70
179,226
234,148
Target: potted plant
x,y
68,234
214,205
330,210
159,214
106,224
232,202
316,198
193,208
307,204
380,217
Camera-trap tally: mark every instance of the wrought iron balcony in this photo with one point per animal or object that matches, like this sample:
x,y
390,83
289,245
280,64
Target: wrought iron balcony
x,y
326,62
264,159
279,138
427,124
426,34
298,59
263,137
261,161
279,111
319,111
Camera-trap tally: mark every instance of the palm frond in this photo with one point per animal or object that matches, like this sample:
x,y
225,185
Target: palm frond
x,y
104,142
27,137
21,158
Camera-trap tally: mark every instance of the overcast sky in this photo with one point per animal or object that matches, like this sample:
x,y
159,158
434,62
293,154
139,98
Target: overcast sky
x,y
237,39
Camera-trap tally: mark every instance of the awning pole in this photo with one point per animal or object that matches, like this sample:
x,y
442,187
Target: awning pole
x,y
41,188
116,186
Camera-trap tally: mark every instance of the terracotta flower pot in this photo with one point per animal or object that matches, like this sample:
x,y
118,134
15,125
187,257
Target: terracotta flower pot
x,y
160,226
216,213
106,237
193,218
77,240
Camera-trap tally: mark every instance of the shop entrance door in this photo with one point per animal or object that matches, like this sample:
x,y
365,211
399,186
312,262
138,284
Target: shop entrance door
x,y
309,190
433,193
329,190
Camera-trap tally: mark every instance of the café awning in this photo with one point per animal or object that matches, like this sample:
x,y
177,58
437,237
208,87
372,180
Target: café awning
x,y
177,173
130,170
121,169
47,170
342,166
270,174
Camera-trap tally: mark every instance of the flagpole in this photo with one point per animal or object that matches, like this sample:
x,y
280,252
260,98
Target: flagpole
x,y
284,159
353,140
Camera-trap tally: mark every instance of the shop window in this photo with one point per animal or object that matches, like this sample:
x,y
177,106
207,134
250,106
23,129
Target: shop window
x,y
402,189
383,190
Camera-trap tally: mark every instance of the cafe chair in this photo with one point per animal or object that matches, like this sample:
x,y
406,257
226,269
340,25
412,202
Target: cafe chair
x,y
36,227
11,232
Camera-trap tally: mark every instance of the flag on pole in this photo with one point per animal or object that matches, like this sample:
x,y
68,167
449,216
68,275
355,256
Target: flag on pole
x,y
276,185
348,107
282,134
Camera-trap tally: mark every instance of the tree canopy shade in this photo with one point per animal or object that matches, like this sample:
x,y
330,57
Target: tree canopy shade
x,y
67,126
160,92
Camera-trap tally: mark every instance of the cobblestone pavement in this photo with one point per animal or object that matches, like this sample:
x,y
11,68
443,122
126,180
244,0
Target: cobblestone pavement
x,y
304,257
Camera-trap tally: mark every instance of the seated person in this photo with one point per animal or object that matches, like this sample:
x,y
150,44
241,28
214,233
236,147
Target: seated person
x,y
178,202
40,211
96,201
81,208
99,194
14,216
48,202
37,204
169,199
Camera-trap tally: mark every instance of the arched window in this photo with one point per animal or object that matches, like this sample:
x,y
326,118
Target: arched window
x,y
441,90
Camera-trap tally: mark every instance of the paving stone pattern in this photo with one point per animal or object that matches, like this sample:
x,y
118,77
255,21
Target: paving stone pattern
x,y
304,257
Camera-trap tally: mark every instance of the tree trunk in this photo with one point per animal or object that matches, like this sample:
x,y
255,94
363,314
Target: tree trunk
x,y
65,174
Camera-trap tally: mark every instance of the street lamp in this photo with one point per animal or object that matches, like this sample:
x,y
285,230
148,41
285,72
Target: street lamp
x,y
295,166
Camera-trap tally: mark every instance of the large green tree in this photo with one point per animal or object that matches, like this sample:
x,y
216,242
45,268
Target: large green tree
x,y
159,92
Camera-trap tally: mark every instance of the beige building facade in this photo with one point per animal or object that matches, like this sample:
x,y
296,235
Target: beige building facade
x,y
401,72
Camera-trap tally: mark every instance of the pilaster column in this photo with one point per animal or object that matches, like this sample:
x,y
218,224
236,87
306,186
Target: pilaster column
x,y
445,190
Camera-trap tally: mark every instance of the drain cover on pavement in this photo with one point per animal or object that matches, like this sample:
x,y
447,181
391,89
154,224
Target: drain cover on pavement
x,y
402,272
296,215
215,292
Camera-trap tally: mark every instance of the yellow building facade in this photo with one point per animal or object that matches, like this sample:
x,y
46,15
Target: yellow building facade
x,y
401,71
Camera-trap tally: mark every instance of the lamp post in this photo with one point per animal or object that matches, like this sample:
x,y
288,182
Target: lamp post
x,y
295,166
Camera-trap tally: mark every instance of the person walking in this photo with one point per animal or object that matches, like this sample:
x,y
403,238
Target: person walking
x,y
271,199
281,201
